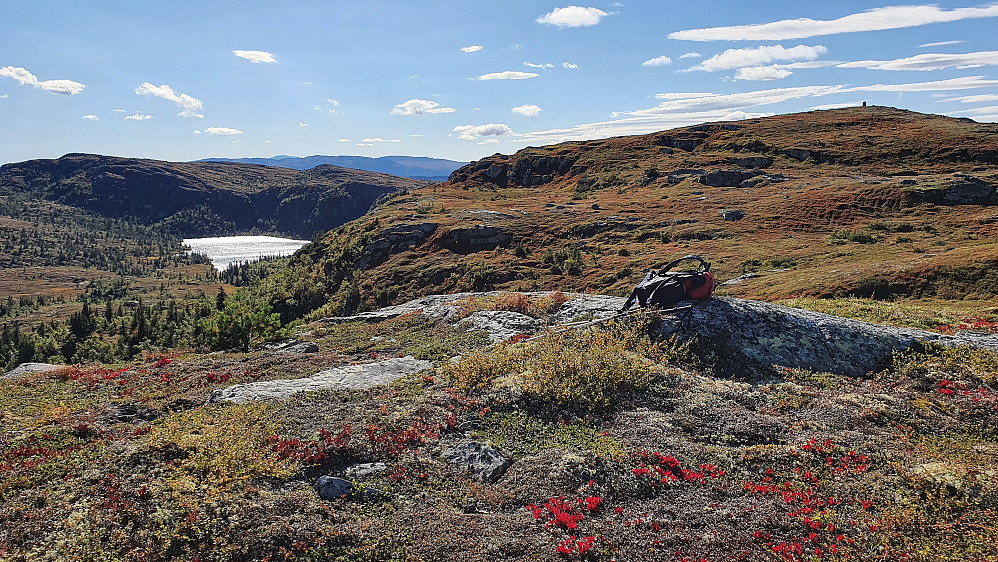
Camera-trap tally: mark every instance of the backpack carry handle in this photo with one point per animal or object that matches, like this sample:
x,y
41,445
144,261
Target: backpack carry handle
x,y
705,265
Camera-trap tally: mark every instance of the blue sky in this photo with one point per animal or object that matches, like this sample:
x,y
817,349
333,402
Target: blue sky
x,y
461,79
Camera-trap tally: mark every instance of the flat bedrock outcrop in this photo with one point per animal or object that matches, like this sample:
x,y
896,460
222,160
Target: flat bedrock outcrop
x,y
362,376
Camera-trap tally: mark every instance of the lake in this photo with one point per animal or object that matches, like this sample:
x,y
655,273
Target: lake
x,y
226,250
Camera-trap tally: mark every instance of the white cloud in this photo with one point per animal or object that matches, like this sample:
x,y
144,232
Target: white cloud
x,y
197,132
941,44
757,56
526,110
890,17
418,107
508,75
691,55
190,105
570,65
301,124
990,110
139,117
3,97
471,48
91,117
974,99
573,16
379,139
658,61
476,132
335,103
964,83
255,56
762,73
120,110
929,61
222,131
490,141
541,65
364,144
63,87
344,140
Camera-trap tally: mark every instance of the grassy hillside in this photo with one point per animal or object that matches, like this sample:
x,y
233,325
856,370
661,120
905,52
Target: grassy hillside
x,y
870,202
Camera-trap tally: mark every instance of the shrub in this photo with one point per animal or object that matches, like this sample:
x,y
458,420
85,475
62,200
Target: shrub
x,y
578,370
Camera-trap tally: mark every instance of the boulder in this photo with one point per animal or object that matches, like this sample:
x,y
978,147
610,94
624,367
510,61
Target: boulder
x,y
333,488
500,325
732,214
363,376
727,178
292,346
28,368
752,162
481,460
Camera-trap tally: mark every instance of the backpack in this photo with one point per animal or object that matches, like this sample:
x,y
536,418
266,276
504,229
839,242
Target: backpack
x,y
664,288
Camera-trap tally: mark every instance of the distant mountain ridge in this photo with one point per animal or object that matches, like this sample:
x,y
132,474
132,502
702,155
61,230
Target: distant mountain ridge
x,y
204,198
416,167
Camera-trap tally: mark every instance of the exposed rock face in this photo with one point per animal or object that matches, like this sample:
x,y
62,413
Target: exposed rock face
x,y
352,376
770,334
727,178
28,368
501,325
292,346
393,240
475,239
481,460
802,155
524,169
752,162
732,214
964,190
684,174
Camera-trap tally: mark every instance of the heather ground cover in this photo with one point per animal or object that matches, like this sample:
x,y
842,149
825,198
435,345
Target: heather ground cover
x,y
624,448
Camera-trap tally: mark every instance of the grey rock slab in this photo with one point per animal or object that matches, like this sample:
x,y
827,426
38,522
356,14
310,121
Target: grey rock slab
x,y
28,368
434,307
770,334
593,307
500,325
362,376
481,460
292,346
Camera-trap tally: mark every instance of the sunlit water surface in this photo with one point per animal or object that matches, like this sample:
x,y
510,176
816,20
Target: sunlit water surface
x,y
226,250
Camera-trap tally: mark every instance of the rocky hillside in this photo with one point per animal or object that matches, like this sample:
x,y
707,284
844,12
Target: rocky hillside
x,y
869,201
204,198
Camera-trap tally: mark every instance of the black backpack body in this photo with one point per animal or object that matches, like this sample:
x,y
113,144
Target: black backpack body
x,y
664,288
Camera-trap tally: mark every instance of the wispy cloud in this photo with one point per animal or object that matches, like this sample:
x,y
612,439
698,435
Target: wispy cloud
x,y
91,117
758,56
222,131
418,107
658,61
139,117
687,108
379,139
573,16
471,48
508,75
877,19
536,65
940,44
974,99
63,87
691,55
570,65
476,132
302,124
929,61
255,56
527,110
189,105
344,140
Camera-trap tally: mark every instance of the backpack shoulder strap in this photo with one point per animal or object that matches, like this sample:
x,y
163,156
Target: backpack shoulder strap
x,y
703,263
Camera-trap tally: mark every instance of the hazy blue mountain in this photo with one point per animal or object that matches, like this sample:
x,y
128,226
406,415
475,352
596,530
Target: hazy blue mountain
x,y
417,167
